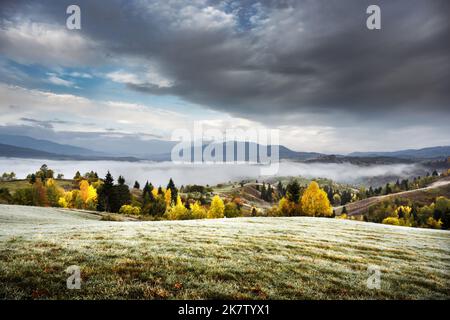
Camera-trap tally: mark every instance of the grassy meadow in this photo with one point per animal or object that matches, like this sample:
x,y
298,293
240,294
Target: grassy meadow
x,y
241,258
12,186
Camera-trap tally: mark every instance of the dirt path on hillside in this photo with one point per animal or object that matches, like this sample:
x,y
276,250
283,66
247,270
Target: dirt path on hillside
x,y
358,207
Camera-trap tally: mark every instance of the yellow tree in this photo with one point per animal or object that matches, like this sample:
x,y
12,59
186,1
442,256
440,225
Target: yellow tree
x,y
217,208
88,194
84,190
168,197
91,201
286,207
65,201
401,217
178,211
403,212
315,201
53,192
197,211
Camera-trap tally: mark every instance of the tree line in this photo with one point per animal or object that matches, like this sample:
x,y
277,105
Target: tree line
x,y
299,201
89,192
411,213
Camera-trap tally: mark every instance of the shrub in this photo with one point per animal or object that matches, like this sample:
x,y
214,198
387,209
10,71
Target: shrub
x,y
129,210
336,199
434,224
195,188
23,197
392,220
231,210
273,212
442,211
111,217
289,208
5,196
62,202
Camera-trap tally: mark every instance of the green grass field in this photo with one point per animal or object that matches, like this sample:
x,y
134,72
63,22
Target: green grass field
x,y
242,258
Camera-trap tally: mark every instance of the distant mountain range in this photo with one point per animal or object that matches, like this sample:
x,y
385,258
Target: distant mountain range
x,y
28,147
361,161
7,150
46,146
424,153
28,153
283,152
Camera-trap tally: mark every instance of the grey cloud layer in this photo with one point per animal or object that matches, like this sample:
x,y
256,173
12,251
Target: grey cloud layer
x,y
274,60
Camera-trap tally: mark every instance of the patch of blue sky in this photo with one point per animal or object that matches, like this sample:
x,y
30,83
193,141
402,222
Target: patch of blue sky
x,y
91,83
34,76
247,14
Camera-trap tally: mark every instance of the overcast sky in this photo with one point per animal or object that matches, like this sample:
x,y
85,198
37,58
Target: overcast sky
x,y
309,68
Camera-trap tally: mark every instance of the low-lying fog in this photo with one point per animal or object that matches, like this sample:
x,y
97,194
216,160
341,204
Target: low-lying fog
x,y
160,172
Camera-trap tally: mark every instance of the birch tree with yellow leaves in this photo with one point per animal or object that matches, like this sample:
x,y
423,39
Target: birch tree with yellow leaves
x,y
315,201
217,208
168,197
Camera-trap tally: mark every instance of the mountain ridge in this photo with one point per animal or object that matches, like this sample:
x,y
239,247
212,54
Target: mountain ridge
x,y
10,151
45,145
422,153
32,147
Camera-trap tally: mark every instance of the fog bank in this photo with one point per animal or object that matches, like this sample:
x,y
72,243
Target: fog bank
x,y
160,172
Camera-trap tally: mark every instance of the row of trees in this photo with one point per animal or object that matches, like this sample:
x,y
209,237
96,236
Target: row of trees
x,y
179,211
83,198
169,204
192,202
336,196
92,193
340,196
267,193
312,201
8,176
402,185
404,212
48,193
42,174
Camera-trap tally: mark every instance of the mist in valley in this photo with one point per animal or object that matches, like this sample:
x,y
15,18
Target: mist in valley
x,y
211,174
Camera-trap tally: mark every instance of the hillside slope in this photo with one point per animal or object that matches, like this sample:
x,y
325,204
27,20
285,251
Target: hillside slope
x,y
438,188
243,258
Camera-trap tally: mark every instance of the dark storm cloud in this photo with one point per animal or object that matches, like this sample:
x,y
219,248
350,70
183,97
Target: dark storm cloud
x,y
275,59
